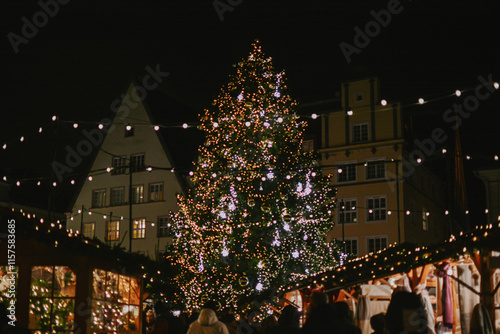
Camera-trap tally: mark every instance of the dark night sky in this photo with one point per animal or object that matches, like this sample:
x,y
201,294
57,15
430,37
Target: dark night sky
x,y
85,55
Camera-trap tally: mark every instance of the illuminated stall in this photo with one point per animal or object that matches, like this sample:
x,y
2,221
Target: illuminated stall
x,y
68,285
463,271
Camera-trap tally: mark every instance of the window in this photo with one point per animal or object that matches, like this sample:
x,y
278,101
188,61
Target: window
x,y
376,208
137,162
99,198
376,243
351,246
359,97
88,230
346,173
116,302
137,194
129,131
348,211
112,230
375,169
118,196
360,133
139,228
163,227
52,299
119,165
156,192
425,219
308,145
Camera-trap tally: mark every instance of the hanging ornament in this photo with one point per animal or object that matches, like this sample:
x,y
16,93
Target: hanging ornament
x,y
248,104
243,280
204,298
287,218
266,208
272,86
251,202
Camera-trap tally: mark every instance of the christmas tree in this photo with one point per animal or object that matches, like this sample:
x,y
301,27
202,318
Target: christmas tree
x,y
257,215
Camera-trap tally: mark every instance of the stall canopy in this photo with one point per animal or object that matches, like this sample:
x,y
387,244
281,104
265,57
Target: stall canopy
x,y
403,258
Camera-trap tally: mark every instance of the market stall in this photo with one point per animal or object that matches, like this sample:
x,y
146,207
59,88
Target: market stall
x,y
458,281
63,284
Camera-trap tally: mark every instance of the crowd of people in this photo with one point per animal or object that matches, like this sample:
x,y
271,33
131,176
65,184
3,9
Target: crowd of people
x,y
405,314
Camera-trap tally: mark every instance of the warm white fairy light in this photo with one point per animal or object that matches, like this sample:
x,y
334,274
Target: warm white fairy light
x,y
314,116
185,125
444,151
40,130
383,102
458,93
90,178
54,118
496,85
21,139
100,126
350,113
75,125
421,101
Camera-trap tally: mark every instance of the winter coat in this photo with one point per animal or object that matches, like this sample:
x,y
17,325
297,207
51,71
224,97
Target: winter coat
x,y
207,323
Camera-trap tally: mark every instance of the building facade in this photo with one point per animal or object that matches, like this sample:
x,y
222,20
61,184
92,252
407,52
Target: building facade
x,y
132,185
385,194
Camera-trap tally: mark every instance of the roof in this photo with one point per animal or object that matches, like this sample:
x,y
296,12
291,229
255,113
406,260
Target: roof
x,y
402,258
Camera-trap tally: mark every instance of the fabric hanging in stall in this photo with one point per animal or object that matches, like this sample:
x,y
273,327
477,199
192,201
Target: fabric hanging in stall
x,y
364,314
426,301
446,297
466,297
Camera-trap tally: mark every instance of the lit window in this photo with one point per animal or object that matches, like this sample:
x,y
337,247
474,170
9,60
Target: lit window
x,y
360,133
137,194
376,244
156,192
425,219
88,230
139,228
99,198
112,230
116,301
52,299
377,208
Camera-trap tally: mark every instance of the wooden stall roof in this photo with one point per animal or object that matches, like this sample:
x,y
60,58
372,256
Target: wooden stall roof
x,y
403,258
49,241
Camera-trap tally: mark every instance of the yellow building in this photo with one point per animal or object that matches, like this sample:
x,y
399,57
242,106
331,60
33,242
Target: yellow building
x,y
385,194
